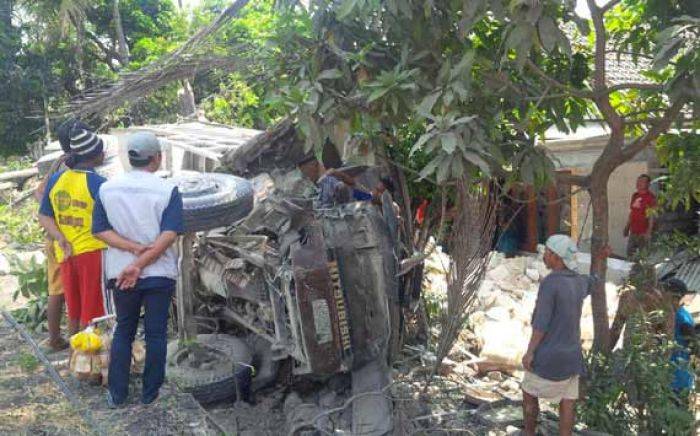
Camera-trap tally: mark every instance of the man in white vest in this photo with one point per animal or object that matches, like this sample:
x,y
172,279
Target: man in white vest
x,y
139,216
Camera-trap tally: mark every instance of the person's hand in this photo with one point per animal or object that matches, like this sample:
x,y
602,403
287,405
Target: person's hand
x,y
128,277
527,361
626,232
65,247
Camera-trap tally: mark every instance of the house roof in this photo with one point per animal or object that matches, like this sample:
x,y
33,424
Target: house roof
x,y
623,68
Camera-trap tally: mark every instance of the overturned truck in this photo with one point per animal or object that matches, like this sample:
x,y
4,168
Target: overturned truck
x,y
270,284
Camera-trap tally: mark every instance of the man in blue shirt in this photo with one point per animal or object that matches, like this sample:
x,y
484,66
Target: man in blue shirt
x,y
139,216
683,335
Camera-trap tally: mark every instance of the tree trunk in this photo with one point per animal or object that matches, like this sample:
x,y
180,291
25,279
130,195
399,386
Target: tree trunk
x,y
122,46
599,264
187,104
5,15
7,52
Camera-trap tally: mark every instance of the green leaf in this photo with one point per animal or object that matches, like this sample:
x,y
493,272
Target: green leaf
x,y
426,105
421,141
457,168
449,142
463,120
477,160
345,9
548,33
429,168
330,74
667,51
527,173
443,169
377,94
582,25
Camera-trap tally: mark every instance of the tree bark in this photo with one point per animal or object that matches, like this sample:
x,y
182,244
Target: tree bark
x,y
7,53
6,15
599,265
122,45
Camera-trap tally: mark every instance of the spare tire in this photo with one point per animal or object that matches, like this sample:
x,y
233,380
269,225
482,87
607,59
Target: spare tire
x,y
226,371
212,200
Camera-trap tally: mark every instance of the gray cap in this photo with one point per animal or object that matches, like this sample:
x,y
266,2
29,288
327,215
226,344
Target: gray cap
x,y
142,145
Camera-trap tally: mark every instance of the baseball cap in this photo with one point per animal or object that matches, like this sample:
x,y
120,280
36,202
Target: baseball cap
x,y
142,146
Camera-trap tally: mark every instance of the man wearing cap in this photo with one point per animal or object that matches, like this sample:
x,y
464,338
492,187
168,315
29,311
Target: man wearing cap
x,y
554,358
139,216
54,307
66,215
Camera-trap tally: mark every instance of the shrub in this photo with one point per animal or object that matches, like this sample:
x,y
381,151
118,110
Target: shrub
x,y
20,224
33,285
629,392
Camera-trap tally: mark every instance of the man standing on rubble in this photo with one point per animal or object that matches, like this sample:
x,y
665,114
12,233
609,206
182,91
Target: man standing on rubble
x,y
554,358
139,216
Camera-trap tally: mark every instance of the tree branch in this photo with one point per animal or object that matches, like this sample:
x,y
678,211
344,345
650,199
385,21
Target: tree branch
x,y
609,5
657,129
599,74
573,179
557,84
640,86
108,52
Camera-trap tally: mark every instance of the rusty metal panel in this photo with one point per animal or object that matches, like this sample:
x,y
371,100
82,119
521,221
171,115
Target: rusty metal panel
x,y
317,304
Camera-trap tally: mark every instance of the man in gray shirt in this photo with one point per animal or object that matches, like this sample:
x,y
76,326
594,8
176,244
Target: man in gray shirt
x,y
554,358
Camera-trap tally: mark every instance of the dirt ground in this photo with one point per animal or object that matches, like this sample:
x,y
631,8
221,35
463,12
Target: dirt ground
x,y
31,403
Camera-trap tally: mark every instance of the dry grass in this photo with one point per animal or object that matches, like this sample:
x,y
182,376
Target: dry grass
x,y
470,244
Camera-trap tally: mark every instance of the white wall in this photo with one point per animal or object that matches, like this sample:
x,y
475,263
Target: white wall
x,y
621,186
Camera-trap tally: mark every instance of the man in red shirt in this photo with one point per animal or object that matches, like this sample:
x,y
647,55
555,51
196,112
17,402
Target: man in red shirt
x,y
640,225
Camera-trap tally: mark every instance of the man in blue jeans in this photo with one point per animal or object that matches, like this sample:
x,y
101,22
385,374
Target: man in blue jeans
x,y
139,216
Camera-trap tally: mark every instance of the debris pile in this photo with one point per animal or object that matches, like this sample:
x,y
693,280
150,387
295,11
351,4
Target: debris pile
x,y
500,323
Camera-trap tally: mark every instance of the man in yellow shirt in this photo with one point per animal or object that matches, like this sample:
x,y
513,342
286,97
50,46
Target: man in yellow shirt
x,y
54,309
66,214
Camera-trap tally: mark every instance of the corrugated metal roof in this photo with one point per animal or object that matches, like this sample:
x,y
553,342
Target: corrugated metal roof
x,y
685,268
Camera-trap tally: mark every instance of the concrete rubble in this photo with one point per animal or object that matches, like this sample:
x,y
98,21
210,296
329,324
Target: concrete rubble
x,y
500,322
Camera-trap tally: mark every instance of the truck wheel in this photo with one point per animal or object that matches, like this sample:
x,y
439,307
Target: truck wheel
x,y
212,200
214,369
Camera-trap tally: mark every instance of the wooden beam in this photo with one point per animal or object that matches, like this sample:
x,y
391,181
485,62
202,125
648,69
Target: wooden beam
x,y
19,176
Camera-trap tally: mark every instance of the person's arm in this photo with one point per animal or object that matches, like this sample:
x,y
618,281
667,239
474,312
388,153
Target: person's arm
x,y
102,230
535,340
41,188
114,239
47,219
652,221
127,278
172,224
541,318
49,224
345,178
39,191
